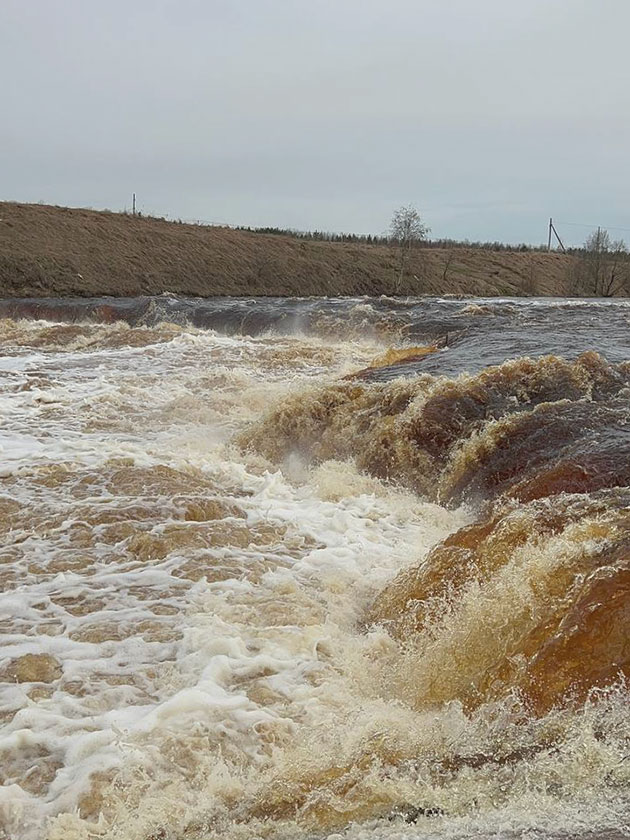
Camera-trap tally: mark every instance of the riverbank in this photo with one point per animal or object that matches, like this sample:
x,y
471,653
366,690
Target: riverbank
x,y
58,251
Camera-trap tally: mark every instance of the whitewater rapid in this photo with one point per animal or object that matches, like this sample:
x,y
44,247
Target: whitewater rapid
x,y
201,601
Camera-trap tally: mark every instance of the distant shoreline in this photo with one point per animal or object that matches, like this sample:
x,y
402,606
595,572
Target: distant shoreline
x,y
53,252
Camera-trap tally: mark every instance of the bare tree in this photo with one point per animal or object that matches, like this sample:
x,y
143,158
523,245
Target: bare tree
x,y
448,259
406,230
604,269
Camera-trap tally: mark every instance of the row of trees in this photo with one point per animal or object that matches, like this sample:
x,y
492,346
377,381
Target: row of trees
x,y
320,235
387,239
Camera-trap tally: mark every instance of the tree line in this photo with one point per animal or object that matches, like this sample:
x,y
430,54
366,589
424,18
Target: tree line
x,y
387,239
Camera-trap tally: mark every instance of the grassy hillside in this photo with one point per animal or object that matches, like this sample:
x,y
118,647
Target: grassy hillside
x,y
57,251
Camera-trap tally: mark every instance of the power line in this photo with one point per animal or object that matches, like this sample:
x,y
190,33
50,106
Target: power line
x,y
593,227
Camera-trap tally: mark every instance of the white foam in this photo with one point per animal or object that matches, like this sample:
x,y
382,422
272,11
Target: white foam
x,y
207,664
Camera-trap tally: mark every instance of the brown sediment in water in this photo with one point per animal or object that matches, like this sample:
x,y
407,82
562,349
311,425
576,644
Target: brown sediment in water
x,y
452,438
34,667
512,603
559,636
516,448
590,646
489,666
395,356
538,447
72,337
579,472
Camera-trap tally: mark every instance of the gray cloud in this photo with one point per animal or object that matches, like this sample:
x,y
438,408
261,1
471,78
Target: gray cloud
x,y
489,116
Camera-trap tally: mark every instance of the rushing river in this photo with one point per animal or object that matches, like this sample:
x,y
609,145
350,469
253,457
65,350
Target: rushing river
x,y
305,569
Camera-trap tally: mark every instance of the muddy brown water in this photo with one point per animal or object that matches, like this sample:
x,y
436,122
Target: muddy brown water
x,y
314,568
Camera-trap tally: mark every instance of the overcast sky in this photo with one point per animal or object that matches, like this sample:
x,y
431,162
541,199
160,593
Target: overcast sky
x,y
488,115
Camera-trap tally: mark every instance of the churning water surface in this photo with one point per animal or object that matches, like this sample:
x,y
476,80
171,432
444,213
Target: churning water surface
x,y
305,569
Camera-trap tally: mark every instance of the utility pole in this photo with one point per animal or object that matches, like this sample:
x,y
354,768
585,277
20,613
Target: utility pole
x,y
134,206
560,242
552,229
